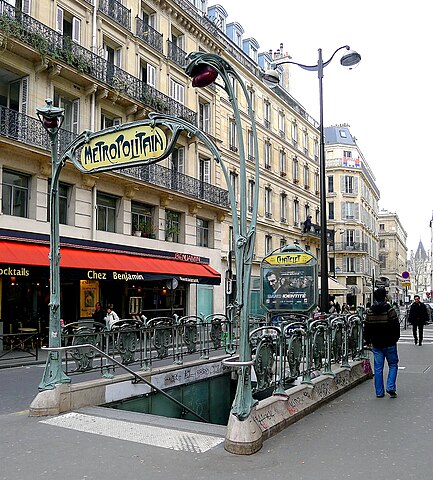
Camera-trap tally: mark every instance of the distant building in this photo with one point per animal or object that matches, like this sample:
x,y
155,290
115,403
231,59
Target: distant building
x,y
392,253
352,208
420,271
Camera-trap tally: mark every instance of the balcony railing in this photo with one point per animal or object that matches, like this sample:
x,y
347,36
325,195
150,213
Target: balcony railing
x,y
351,246
28,130
48,42
176,54
179,182
116,11
149,35
314,231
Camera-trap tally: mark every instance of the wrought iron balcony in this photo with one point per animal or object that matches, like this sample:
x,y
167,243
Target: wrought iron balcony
x,y
179,182
116,11
314,231
48,42
29,130
149,35
351,247
176,54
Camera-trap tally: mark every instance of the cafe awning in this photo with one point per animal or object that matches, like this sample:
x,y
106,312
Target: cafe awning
x,y
20,253
335,287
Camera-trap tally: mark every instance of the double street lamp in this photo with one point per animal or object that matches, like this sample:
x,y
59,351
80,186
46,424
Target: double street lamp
x,y
271,78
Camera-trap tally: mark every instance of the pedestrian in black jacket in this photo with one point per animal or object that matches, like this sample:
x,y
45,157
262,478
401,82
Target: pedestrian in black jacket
x,y
382,331
418,317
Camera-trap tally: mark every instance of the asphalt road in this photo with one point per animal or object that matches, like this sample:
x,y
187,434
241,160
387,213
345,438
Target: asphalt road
x,y
356,436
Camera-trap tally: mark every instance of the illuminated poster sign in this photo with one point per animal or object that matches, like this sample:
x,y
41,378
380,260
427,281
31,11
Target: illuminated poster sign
x,y
120,147
289,282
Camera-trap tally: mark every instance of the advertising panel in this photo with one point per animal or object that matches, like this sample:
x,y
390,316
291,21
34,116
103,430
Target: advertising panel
x,y
289,282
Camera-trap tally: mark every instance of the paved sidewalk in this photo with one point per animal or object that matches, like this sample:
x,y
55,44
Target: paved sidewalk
x,y
356,436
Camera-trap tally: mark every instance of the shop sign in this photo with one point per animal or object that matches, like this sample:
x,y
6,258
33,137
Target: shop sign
x,y
124,276
14,272
121,147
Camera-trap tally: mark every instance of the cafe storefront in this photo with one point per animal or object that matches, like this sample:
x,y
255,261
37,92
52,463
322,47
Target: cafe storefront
x,y
133,281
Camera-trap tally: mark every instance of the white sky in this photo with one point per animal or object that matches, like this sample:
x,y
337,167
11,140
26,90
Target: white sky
x,y
387,100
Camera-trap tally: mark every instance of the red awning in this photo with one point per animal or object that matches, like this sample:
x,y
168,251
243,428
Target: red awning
x,y
37,255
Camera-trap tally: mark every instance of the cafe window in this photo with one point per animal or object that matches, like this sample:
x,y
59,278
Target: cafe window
x,y
15,197
106,212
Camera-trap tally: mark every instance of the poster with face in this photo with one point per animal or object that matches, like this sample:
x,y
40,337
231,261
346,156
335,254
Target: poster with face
x,y
289,282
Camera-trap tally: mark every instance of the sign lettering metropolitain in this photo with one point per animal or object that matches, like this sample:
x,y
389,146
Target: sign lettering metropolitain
x,y
138,143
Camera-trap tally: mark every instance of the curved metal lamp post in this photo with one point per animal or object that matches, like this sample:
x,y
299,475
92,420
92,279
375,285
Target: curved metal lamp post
x,y
52,118
271,78
204,68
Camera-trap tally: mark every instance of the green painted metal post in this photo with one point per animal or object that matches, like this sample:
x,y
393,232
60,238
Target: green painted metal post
x,y
52,118
204,69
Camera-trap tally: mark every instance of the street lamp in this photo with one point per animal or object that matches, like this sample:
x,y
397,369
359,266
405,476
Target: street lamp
x,y
51,118
271,78
204,68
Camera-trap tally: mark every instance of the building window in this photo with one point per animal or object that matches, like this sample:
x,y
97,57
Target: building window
x,y
172,226
177,91
382,243
283,166
109,121
141,218
204,170
382,226
305,141
177,160
316,182
202,232
331,212
267,114
268,202
15,194
283,208
382,261
106,212
296,213
281,124
234,184
349,184
251,191
330,184
148,74
306,177
295,170
232,136
350,210
251,155
316,148
350,264
294,133
204,116
268,152
343,134
268,244
71,112
64,196
283,242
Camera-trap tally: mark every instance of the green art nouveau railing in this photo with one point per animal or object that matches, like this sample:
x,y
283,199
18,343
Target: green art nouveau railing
x,y
285,348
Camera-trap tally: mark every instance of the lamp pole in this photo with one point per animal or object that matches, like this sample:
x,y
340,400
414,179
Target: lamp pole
x,y
51,118
271,78
204,68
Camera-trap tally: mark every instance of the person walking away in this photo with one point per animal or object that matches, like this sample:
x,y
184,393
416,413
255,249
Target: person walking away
x,y
382,331
111,318
418,317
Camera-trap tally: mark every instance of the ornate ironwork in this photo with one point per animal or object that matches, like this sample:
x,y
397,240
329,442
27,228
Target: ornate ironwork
x,y
149,35
179,182
49,43
117,12
176,54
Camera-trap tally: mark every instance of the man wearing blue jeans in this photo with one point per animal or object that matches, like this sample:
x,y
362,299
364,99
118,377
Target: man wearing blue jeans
x,y
382,331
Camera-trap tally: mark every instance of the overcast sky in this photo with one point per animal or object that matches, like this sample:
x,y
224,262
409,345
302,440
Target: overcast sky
x,y
386,100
